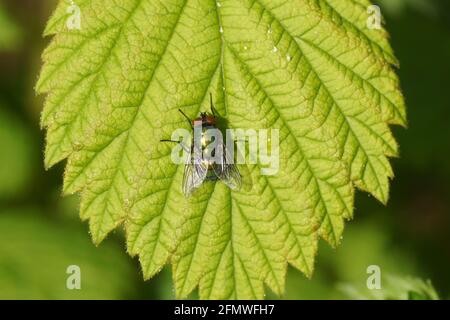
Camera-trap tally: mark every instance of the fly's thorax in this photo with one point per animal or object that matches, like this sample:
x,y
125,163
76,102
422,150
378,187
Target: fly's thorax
x,y
211,141
207,144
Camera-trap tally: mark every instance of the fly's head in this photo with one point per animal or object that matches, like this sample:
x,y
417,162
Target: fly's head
x,y
207,120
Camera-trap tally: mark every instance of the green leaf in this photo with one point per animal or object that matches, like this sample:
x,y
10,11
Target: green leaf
x,y
394,288
308,68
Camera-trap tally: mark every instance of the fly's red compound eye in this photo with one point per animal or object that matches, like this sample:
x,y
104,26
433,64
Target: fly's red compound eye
x,y
211,120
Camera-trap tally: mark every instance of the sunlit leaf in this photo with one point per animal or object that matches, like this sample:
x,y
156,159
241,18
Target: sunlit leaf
x,y
311,69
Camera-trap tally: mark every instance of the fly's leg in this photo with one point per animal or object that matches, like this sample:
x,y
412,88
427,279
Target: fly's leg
x,y
187,118
213,109
185,148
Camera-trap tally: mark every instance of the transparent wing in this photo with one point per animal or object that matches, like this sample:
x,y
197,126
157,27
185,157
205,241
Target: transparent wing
x,y
195,173
227,171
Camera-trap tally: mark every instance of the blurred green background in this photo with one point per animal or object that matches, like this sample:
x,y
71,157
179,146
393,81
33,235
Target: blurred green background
x,y
41,234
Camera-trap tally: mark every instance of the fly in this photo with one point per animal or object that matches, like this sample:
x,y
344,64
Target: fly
x,y
207,165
